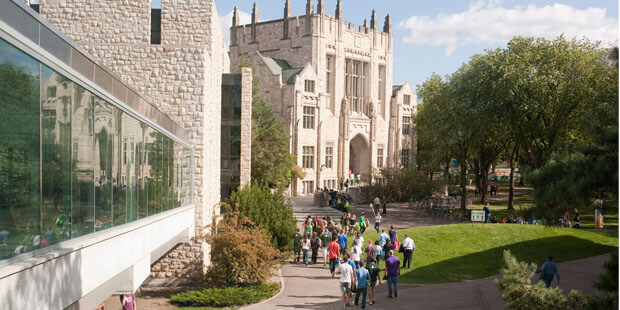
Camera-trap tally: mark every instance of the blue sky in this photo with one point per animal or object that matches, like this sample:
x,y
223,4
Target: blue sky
x,y
438,36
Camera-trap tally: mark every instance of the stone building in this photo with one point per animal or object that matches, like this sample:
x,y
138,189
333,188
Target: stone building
x,y
332,83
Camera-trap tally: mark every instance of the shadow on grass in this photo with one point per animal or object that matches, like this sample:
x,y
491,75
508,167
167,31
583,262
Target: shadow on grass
x,y
488,263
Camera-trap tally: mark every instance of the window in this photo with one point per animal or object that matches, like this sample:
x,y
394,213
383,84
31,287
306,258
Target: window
x,y
355,85
329,150
155,23
308,157
406,125
35,5
309,117
74,151
308,187
407,99
51,91
329,68
404,158
330,184
309,86
381,92
379,158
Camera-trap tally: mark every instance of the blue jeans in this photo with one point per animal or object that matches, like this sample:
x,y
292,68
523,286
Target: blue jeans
x,y
361,291
392,281
333,263
548,278
377,226
305,251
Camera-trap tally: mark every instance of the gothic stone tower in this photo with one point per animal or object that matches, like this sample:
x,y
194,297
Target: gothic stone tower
x,y
332,83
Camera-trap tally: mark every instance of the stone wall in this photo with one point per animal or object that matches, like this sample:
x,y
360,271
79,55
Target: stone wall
x,y
246,127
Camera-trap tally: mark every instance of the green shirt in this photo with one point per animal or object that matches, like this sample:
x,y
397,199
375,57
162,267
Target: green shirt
x,y
326,238
297,240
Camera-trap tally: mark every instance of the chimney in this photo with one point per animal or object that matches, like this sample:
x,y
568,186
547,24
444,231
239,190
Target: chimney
x,y
320,8
387,27
373,19
287,16
339,10
254,21
235,18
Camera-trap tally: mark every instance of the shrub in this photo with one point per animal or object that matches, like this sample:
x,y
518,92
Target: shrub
x,y
399,185
228,296
519,293
267,209
240,252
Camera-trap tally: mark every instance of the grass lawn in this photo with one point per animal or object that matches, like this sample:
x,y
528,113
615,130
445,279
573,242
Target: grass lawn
x,y
451,253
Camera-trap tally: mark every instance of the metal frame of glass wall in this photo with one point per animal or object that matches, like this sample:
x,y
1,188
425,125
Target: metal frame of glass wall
x,y
74,159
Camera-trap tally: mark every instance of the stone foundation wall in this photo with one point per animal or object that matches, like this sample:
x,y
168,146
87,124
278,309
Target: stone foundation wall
x,y
184,261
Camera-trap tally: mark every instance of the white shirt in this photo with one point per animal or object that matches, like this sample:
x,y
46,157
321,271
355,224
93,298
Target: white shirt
x,y
305,244
408,244
356,252
378,218
360,240
345,271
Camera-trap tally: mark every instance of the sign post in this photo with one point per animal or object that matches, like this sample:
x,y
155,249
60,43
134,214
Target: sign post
x,y
477,216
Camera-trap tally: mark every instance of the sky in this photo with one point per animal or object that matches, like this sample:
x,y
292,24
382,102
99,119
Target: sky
x,y
439,36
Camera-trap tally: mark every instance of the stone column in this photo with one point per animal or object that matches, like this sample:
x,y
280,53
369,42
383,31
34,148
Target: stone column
x,y
246,126
343,138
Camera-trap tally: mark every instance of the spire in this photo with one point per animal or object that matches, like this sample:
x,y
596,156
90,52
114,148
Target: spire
x,y
254,21
287,16
365,23
373,19
235,18
320,8
254,14
287,9
309,8
387,27
339,10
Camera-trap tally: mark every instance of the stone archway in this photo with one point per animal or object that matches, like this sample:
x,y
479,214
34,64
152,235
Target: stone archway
x,y
359,156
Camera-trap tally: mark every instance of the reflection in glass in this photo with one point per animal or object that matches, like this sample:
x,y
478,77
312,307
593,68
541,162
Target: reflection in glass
x,y
131,134
105,135
56,97
82,162
150,167
142,175
19,152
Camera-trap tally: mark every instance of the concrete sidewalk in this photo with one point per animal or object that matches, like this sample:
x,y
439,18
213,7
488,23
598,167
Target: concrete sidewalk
x,y
312,288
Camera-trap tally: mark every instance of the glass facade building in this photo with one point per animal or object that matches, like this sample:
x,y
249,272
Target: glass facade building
x,y
73,163
230,170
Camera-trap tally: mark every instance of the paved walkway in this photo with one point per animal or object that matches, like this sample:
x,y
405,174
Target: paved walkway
x,y
312,287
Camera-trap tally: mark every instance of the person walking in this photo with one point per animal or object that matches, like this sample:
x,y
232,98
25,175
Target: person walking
x,y
305,248
129,302
326,238
360,240
370,251
576,220
297,246
383,237
487,212
315,244
548,270
346,278
377,204
342,241
308,227
408,247
362,222
334,250
373,271
392,235
356,251
362,275
387,248
392,271
377,221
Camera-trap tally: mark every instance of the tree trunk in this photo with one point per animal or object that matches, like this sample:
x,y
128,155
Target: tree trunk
x,y
463,184
484,169
477,173
511,184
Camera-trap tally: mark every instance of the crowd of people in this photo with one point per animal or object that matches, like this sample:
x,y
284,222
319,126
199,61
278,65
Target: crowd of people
x,y
492,189
357,264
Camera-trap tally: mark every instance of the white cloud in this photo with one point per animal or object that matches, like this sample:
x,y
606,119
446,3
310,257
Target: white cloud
x,y
226,23
487,23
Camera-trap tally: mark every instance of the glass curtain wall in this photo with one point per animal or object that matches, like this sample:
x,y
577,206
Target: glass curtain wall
x,y
72,164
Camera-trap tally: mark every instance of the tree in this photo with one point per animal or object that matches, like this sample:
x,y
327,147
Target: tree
x,y
401,185
267,209
272,163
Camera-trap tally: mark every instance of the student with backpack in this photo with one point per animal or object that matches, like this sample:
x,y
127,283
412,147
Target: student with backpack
x,y
373,270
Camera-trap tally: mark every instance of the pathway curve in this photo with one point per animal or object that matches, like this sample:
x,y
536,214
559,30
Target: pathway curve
x,y
312,287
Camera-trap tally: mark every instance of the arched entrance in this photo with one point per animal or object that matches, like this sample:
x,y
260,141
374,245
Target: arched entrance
x,y
359,156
